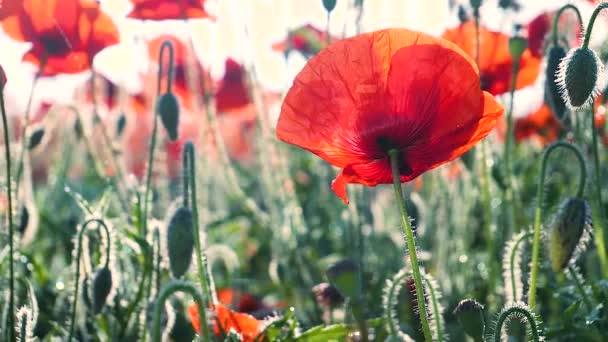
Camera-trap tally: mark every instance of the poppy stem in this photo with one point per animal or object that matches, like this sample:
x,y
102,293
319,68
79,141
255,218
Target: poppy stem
x,y
83,229
539,206
411,244
599,217
509,195
527,316
168,290
555,34
581,289
9,195
596,12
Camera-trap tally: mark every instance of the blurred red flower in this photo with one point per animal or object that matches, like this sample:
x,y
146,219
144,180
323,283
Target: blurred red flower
x,y
390,89
241,302
65,34
495,61
307,40
232,92
540,124
539,30
168,9
225,320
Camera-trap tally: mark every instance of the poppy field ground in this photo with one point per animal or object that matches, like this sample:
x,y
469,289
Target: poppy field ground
x,y
399,186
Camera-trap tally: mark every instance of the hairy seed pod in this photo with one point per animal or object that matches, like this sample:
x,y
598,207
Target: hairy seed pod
x,y
168,109
100,289
469,314
329,5
120,124
344,275
180,241
36,138
579,73
567,231
553,95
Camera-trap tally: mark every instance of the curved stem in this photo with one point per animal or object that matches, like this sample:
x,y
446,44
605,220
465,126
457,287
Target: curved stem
x,y
599,213
509,196
597,11
580,288
436,311
85,225
172,287
538,212
201,264
9,195
512,262
411,244
519,311
556,21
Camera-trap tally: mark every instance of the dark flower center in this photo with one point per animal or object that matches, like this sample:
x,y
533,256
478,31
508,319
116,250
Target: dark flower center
x,y
387,145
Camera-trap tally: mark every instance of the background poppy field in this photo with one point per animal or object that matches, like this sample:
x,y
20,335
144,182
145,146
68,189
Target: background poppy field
x,y
216,170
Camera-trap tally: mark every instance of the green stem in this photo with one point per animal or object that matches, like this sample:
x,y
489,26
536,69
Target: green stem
x,y
172,287
519,311
599,213
9,195
555,35
539,204
100,223
411,243
580,288
512,274
201,264
509,195
597,11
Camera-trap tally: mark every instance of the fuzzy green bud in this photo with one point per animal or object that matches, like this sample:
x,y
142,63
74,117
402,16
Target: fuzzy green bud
x,y
329,5
100,289
120,124
566,231
469,314
579,73
553,96
168,109
180,241
35,138
344,275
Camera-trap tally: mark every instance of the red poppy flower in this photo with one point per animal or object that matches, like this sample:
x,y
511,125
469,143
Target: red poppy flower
x,y
242,302
65,34
232,92
307,40
227,320
390,89
495,61
540,124
168,9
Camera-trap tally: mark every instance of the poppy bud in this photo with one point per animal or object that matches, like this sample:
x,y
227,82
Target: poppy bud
x,y
78,131
180,241
102,285
344,275
168,109
36,138
327,295
120,124
86,298
329,5
509,4
567,230
517,46
579,73
24,219
470,316
463,15
2,78
552,89
475,4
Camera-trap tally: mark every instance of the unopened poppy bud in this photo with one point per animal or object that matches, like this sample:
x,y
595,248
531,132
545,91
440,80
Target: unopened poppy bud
x,y
24,219
36,138
86,296
344,275
168,109
469,314
78,131
475,3
509,4
579,73
567,230
552,89
329,5
102,285
180,241
327,295
120,124
2,78
517,46
463,15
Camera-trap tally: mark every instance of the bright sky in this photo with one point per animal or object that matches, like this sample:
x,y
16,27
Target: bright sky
x,y
267,22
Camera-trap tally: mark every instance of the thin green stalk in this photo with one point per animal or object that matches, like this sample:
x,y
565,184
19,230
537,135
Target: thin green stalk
x,y
509,195
580,288
411,243
589,30
555,31
9,195
172,287
539,205
518,311
599,218
190,156
100,223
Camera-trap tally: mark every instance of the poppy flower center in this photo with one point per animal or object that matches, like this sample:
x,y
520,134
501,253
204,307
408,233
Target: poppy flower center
x,y
55,45
386,145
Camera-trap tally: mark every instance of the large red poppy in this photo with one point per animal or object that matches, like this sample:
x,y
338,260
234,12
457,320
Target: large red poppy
x,y
226,320
390,89
168,9
495,61
65,34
